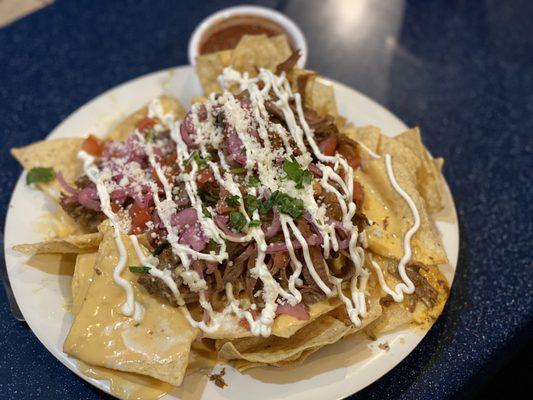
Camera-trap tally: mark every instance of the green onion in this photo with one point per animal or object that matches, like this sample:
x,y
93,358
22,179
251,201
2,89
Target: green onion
x,y
40,175
255,223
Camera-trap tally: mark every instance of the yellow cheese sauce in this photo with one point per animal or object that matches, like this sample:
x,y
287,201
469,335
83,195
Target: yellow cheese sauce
x,y
125,385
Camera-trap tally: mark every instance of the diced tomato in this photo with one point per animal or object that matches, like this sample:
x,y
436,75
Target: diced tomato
x,y
358,194
351,155
204,176
328,146
146,124
93,146
139,218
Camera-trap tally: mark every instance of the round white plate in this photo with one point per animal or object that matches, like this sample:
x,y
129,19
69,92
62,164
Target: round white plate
x,y
332,373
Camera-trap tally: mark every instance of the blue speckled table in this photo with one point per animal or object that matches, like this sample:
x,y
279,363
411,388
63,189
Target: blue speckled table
x,y
461,70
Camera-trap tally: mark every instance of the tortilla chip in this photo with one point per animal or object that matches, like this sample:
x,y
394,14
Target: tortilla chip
x,y
368,136
430,182
68,244
391,216
320,97
124,129
59,154
398,314
81,279
286,325
318,332
101,335
325,330
252,52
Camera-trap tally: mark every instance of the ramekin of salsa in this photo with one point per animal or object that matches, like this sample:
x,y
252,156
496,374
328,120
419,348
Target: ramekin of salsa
x,y
223,30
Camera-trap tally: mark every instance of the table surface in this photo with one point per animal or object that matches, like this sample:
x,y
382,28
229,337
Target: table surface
x,y
460,70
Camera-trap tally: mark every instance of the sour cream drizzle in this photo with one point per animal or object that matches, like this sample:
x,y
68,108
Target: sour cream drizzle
x,y
130,308
260,157
407,285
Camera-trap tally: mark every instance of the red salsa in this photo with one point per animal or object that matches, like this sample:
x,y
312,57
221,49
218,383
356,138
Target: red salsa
x,y
225,33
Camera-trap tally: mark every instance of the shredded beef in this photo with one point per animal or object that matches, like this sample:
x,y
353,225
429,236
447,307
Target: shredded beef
x,y
289,63
423,290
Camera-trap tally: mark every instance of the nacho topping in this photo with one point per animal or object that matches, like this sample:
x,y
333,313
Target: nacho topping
x,y
236,174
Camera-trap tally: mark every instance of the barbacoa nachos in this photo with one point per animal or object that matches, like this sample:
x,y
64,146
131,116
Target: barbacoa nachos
x,y
257,227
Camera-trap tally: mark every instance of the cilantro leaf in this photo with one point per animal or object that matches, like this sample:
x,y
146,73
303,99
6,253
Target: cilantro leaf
x,y
232,200
255,223
207,198
198,159
237,221
285,204
40,175
205,211
295,173
139,270
253,181
212,245
251,203
237,170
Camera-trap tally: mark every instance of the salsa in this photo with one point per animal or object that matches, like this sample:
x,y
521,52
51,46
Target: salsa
x,y
226,33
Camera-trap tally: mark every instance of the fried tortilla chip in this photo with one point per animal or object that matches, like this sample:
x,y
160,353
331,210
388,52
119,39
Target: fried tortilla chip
x,y
391,216
58,154
101,335
127,125
82,278
324,330
428,171
318,332
252,52
286,325
68,244
422,308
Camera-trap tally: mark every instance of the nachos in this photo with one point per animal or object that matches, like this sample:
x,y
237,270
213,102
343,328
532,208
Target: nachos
x,y
258,226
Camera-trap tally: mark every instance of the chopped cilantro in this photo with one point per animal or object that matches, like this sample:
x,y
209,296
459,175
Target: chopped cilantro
x,y
295,173
212,245
255,223
205,211
237,170
251,203
40,175
237,221
160,247
139,270
150,135
232,200
198,159
285,204
253,181
207,198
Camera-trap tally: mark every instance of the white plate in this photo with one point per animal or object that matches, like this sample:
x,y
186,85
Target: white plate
x,y
334,372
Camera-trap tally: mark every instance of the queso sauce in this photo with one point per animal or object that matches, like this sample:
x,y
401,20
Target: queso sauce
x,y
226,33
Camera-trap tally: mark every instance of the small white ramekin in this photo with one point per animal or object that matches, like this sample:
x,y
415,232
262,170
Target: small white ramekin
x,y
294,32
